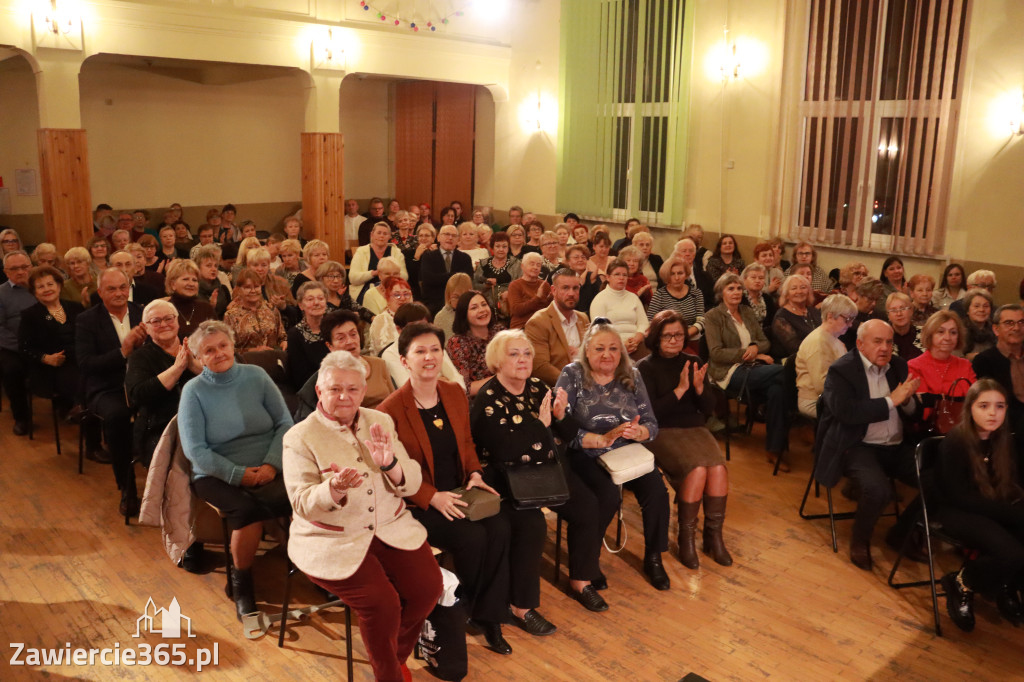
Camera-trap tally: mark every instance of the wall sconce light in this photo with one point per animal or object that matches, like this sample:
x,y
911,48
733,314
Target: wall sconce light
x,y
1017,123
730,62
328,54
57,25
539,115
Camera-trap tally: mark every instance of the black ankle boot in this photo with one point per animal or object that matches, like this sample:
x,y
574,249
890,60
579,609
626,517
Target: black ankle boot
x,y
241,586
655,571
959,601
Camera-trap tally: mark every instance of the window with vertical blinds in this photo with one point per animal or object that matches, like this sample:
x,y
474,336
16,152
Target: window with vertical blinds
x,y
624,94
878,115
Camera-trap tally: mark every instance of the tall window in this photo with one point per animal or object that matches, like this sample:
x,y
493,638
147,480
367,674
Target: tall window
x,y
878,113
625,70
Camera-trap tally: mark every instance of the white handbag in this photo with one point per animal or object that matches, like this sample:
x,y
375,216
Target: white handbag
x,y
627,463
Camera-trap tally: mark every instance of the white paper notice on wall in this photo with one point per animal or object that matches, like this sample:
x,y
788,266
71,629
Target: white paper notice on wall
x,y
26,182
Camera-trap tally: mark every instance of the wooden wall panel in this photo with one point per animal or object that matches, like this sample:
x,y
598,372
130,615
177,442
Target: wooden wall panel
x,y
453,148
64,176
323,195
414,142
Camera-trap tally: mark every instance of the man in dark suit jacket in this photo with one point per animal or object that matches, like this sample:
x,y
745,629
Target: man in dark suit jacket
x,y
998,362
436,267
860,430
105,335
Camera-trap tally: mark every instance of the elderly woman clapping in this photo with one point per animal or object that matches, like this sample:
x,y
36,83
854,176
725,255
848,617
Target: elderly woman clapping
x,y
156,374
373,556
231,420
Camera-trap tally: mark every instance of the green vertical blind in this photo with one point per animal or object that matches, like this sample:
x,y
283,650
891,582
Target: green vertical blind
x,y
625,70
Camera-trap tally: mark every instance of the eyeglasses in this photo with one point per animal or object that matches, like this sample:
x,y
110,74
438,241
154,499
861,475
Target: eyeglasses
x,y
1013,323
849,319
158,321
333,275
9,241
680,336
401,293
901,309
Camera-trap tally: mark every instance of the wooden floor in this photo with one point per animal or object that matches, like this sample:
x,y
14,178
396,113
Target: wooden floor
x,y
71,572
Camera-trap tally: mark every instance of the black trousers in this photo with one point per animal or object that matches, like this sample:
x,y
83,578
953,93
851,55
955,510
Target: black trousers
x,y
15,381
873,467
112,407
584,529
1000,543
480,552
649,490
243,506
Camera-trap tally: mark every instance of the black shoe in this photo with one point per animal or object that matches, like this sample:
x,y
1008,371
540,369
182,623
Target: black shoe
x,y
129,505
241,586
98,455
860,555
192,559
959,602
20,428
533,623
1009,605
590,599
492,633
655,572
601,584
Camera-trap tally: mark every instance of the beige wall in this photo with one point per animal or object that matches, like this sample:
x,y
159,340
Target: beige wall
x,y
19,119
155,139
368,126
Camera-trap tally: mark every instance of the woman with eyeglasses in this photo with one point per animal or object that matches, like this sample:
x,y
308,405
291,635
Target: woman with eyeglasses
x,y
684,448
155,375
9,242
820,349
382,330
332,275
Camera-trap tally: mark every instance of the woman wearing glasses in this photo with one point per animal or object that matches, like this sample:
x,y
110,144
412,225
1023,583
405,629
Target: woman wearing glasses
x,y
383,331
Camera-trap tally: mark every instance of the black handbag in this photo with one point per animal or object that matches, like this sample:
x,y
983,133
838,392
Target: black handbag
x,y
537,484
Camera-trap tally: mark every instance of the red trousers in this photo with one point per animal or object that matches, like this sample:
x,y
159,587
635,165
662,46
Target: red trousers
x,y
392,593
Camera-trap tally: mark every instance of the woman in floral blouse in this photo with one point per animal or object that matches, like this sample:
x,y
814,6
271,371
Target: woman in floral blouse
x,y
474,327
256,323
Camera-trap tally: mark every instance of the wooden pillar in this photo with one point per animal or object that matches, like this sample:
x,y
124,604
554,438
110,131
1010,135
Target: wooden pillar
x,y
64,173
323,196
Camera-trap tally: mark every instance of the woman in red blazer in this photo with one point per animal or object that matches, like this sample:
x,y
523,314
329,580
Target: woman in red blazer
x,y
432,421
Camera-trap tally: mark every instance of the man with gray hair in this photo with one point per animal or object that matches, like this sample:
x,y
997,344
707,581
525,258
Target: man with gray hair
x,y
867,397
979,279
14,299
105,335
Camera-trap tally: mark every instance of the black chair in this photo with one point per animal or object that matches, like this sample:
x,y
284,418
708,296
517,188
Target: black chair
x,y
56,418
86,419
284,619
924,456
832,515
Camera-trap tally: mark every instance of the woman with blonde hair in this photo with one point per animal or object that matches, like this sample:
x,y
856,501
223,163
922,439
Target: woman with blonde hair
x,y
241,260
290,253
80,282
315,253
182,286
46,254
458,284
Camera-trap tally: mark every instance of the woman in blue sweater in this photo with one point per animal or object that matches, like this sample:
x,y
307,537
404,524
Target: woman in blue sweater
x,y
231,421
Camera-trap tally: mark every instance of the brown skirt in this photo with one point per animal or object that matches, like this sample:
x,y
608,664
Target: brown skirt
x,y
680,451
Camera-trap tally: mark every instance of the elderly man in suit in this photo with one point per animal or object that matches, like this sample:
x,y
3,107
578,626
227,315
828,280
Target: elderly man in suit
x,y
556,331
860,432
437,266
105,335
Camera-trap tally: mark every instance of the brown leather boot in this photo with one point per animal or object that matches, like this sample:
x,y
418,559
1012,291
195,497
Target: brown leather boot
x,y
714,517
688,534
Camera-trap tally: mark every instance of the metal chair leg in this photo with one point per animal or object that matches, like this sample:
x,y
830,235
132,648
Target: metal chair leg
x,y
348,640
284,604
228,563
56,424
558,548
832,520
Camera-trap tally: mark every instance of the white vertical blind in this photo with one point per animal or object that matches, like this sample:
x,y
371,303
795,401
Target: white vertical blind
x,y
878,120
